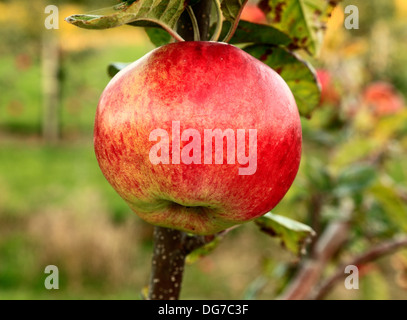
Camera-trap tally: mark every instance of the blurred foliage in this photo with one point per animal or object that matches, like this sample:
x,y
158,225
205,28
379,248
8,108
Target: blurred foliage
x,y
355,143
57,208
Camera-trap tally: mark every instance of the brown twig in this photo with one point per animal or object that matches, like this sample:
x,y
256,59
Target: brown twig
x,y
374,253
167,265
330,242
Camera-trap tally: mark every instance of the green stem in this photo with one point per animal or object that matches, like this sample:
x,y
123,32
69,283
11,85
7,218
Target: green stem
x,y
195,26
216,34
233,28
172,32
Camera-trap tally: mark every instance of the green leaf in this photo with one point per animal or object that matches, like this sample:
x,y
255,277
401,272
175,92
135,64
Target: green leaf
x,y
231,9
293,234
395,208
354,179
138,13
115,67
304,20
298,74
248,32
203,251
158,36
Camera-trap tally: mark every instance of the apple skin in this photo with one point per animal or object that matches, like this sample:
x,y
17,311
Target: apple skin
x,y
204,85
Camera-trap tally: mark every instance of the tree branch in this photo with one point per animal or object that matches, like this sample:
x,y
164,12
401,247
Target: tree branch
x,y
330,242
171,247
374,253
167,266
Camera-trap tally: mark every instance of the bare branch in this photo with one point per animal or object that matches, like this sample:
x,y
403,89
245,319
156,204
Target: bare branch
x,y
374,253
171,247
330,242
167,267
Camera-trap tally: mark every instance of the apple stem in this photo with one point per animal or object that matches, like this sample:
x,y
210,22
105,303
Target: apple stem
x,y
219,23
232,30
197,36
172,32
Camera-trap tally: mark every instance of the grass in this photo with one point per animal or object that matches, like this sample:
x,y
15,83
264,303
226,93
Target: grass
x,y
83,78
35,175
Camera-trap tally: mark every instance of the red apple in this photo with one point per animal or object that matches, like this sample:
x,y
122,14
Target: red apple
x,y
153,146
253,13
329,94
382,99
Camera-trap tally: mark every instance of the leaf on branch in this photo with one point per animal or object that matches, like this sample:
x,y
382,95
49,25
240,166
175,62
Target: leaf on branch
x,y
158,36
115,67
294,235
298,74
304,20
248,32
138,13
203,251
232,9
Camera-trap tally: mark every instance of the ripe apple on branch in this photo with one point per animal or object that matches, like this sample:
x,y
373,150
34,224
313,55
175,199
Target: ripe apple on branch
x,y
199,86
236,146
